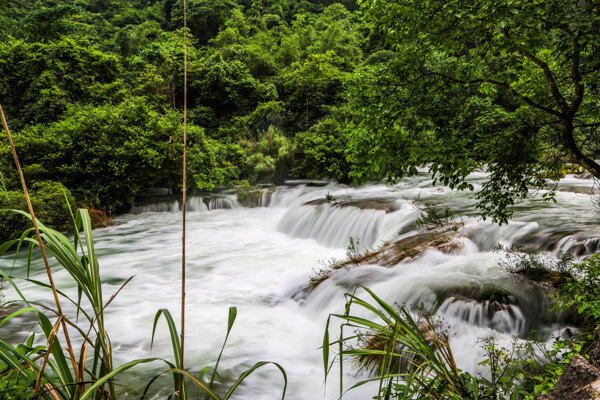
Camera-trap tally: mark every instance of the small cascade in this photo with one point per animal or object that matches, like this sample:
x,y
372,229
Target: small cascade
x,y
159,207
333,226
578,244
221,203
487,235
504,318
196,203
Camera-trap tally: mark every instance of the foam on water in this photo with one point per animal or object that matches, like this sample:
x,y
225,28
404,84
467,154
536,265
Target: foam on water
x,y
255,258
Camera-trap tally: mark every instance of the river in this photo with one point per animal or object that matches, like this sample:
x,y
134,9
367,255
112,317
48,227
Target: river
x,y
256,259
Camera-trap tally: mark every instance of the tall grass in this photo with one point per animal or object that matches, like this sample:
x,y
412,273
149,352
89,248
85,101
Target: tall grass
x,y
412,358
51,371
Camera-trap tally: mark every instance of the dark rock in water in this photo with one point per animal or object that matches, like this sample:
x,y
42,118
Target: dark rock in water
x,y
386,205
544,276
255,198
99,218
580,381
156,192
543,240
307,182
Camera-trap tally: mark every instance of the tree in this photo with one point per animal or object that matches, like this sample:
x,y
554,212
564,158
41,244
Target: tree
x,y
39,80
105,154
509,85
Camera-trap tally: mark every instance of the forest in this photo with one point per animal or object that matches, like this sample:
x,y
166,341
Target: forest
x,y
100,83
442,122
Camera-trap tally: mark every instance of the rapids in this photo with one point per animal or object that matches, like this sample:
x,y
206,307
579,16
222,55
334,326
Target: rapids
x,y
257,258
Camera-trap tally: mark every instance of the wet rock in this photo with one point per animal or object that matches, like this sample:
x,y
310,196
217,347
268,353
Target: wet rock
x,y
364,204
99,218
389,255
580,381
544,276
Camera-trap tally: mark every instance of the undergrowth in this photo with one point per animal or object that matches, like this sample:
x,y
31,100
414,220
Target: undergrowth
x,y
409,356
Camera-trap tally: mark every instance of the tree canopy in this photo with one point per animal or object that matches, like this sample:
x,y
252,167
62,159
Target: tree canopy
x,y
298,88
93,91
509,86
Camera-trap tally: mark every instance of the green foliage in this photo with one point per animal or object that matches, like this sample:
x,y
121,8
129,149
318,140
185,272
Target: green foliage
x,y
50,199
39,80
581,291
473,85
13,385
270,158
434,217
104,154
211,162
321,151
206,17
313,87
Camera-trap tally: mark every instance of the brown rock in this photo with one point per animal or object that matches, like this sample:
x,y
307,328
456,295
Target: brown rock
x,y
385,205
99,218
580,381
594,351
390,255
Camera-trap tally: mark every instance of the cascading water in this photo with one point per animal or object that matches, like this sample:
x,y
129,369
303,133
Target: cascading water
x,y
194,203
258,258
333,226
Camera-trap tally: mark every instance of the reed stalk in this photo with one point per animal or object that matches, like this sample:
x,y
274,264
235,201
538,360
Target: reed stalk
x,y
41,244
181,365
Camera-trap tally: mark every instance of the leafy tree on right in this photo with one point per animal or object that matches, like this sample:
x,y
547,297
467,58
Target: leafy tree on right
x,y
510,86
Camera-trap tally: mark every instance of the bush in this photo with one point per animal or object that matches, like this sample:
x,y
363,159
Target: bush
x,y
49,201
581,292
321,151
270,158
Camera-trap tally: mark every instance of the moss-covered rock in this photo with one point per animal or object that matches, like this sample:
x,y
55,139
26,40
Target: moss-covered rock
x,y
50,201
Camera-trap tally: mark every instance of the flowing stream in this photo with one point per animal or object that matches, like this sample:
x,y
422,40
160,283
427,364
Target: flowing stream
x,y
257,259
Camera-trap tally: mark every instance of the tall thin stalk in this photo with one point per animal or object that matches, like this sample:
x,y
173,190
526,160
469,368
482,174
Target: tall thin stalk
x,y
41,244
181,389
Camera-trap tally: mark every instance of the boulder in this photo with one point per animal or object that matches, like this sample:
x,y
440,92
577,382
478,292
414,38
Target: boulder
x,y
580,381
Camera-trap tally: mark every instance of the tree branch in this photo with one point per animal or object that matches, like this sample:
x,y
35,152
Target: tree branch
x,y
576,76
506,85
564,106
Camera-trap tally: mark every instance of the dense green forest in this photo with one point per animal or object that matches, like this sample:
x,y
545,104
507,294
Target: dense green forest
x,y
93,91
298,89
354,91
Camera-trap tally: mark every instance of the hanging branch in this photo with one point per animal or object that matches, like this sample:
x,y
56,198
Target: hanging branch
x,y
42,248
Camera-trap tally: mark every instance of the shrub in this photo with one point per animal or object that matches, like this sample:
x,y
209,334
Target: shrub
x,y
48,198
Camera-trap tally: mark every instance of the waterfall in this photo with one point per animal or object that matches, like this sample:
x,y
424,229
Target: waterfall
x,y
504,318
221,203
163,206
196,204
578,244
333,226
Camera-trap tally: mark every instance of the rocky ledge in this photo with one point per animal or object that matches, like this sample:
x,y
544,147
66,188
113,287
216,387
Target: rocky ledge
x,y
410,247
581,379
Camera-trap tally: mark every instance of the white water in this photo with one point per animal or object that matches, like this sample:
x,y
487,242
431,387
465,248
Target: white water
x,y
257,258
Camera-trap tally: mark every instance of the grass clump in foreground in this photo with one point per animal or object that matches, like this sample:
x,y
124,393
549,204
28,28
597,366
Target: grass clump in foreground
x,y
409,356
49,372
